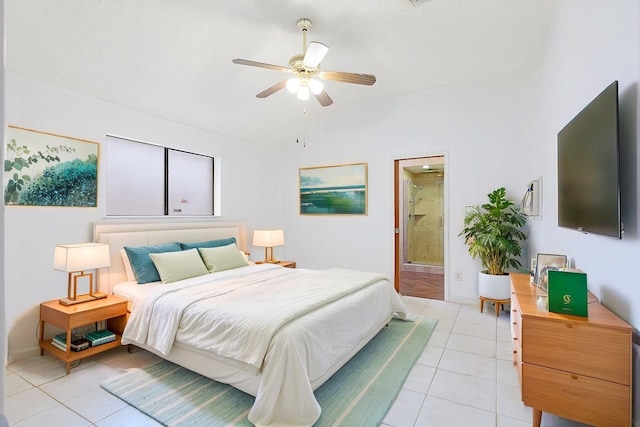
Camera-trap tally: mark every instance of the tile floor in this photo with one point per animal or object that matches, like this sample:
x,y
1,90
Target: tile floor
x,y
464,377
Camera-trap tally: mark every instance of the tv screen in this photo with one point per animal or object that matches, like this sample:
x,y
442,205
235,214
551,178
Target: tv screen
x,y
588,168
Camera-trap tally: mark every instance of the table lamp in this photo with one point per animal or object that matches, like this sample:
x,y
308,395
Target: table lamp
x,y
268,239
75,259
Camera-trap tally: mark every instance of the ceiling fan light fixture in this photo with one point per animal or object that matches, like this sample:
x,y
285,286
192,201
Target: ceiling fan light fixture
x,y
315,54
303,93
316,86
305,65
293,84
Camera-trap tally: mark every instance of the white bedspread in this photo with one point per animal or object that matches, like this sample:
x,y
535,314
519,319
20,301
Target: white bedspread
x,y
237,314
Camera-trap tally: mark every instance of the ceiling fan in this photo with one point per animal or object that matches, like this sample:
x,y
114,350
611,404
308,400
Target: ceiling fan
x,y
306,70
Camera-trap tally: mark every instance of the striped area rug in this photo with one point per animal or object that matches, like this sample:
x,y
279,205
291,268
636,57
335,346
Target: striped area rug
x,y
360,393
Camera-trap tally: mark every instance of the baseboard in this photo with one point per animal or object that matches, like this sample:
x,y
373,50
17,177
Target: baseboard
x,y
23,354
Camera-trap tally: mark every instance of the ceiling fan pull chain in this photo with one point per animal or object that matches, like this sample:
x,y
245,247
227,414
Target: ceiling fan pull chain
x,y
304,127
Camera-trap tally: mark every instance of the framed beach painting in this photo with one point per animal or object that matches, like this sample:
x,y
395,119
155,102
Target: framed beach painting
x,y
45,169
334,190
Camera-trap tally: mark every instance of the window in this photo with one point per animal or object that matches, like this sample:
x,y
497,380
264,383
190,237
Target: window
x,y
150,180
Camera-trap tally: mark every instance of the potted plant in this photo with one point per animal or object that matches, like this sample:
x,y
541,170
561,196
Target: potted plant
x,y
493,232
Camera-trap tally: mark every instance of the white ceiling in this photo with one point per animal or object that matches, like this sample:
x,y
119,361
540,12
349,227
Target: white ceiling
x,y
172,58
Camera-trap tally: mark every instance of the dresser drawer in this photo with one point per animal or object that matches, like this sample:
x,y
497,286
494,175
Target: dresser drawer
x,y
579,348
601,403
516,334
516,321
517,360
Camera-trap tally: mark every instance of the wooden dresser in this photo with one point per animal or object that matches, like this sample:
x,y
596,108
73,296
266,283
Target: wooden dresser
x,y
571,366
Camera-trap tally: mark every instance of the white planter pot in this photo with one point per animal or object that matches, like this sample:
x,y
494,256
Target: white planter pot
x,y
494,287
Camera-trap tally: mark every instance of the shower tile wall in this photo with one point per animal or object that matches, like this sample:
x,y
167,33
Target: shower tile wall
x,y
425,228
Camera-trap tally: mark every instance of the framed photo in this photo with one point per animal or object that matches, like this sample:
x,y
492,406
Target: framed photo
x,y
544,263
45,169
334,190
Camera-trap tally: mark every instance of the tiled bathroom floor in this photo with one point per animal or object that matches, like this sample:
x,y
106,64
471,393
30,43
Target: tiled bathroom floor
x,y
464,377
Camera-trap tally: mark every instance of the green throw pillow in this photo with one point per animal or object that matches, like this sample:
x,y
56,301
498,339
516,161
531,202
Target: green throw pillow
x,y
174,266
223,258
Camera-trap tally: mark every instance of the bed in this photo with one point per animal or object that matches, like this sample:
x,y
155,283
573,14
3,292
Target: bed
x,y
273,332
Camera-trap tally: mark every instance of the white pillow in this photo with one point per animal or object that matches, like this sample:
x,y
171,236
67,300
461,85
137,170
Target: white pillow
x,y
127,266
174,266
223,258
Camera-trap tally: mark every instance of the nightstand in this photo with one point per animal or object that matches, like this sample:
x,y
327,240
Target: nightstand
x,y
113,309
282,263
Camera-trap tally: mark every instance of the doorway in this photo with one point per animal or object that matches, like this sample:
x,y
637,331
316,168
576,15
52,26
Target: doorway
x,y
420,226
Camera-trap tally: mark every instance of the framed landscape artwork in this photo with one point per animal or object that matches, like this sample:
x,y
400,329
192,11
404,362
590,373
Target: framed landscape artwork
x,y
45,169
334,190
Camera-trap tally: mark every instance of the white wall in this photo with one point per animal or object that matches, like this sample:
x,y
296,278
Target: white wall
x,y
594,43
486,131
32,232
480,126
3,336
497,132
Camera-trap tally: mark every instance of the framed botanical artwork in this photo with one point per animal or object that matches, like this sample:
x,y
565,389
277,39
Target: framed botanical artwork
x,y
544,263
334,190
45,169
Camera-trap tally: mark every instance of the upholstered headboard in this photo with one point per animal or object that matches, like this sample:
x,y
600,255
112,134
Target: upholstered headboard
x,y
119,235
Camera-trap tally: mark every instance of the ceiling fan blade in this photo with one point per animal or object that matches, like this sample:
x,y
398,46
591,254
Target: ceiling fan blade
x,y
273,89
261,65
340,76
324,99
315,54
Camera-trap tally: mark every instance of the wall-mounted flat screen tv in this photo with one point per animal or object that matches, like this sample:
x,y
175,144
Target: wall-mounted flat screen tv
x,y
589,168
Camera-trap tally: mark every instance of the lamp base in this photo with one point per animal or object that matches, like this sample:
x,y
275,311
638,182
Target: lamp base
x,y
99,295
79,299
272,261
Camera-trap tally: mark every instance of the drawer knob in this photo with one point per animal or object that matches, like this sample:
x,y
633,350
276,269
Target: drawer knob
x,y
574,377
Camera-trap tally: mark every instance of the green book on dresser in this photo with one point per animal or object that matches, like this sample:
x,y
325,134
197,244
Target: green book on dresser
x,y
567,292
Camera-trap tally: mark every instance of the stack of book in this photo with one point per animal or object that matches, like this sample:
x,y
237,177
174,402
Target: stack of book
x,y
100,337
78,344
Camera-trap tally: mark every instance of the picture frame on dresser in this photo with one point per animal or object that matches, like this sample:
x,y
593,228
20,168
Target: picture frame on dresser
x,y
544,263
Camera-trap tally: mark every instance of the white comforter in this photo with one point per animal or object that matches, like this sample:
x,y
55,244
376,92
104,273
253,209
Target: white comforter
x,y
237,315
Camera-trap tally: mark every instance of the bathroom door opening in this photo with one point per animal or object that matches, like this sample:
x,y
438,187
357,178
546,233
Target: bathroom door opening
x,y
420,227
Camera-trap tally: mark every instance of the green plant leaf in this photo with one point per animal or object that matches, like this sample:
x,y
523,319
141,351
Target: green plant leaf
x,y
493,232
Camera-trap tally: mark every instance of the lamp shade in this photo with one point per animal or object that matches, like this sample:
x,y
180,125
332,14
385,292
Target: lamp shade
x,y
81,256
268,238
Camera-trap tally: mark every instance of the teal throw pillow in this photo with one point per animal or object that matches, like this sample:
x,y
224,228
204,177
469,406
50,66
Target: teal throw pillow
x,y
208,244
143,268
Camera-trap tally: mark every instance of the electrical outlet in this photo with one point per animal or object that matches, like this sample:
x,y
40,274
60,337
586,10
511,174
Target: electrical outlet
x,y
459,276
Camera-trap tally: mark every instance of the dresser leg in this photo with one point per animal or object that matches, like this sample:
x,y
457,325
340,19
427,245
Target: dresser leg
x,y
537,417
